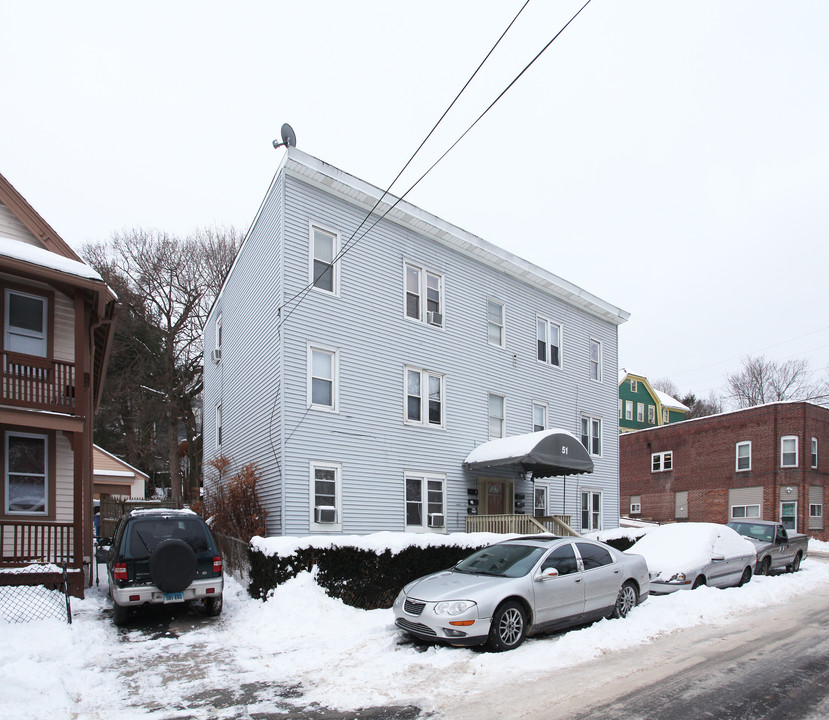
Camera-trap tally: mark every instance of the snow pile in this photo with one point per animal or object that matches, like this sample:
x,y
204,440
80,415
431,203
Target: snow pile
x,y
395,542
683,547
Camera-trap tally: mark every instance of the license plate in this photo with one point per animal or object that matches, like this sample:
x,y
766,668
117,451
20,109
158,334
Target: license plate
x,y
174,597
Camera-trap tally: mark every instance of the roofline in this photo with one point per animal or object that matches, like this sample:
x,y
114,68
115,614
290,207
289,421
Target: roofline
x,y
316,172
33,222
122,462
724,414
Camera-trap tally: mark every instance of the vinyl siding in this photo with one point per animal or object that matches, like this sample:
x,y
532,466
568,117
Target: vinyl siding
x,y
374,340
11,227
64,479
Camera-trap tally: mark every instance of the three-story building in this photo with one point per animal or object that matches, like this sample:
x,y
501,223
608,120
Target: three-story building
x,y
358,361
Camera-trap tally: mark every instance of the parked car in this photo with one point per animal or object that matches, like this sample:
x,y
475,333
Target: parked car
x,y
503,593
684,556
162,556
777,548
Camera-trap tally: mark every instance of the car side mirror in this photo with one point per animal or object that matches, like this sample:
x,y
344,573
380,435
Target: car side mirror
x,y
717,558
548,573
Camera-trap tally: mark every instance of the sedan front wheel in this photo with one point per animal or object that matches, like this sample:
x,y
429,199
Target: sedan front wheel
x,y
509,627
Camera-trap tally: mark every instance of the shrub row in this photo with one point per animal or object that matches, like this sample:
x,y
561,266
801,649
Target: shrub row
x,y
360,578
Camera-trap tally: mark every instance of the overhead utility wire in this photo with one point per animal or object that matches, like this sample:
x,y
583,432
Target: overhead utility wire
x,y
409,161
348,246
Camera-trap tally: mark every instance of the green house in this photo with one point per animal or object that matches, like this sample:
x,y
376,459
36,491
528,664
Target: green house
x,y
642,406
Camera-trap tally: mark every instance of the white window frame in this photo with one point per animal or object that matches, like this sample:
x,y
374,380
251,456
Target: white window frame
x,y
547,325
335,249
334,354
591,512
218,425
635,504
789,502
640,412
7,473
589,424
748,511
652,414
337,468
425,377
424,276
501,419
594,360
218,338
425,479
783,453
658,461
815,510
30,335
498,327
634,385
743,443
814,453
629,410
544,413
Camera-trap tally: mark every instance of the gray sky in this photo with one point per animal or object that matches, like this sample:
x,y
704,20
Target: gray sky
x,y
671,157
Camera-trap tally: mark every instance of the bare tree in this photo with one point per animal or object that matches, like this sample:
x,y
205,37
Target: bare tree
x,y
697,407
763,381
174,282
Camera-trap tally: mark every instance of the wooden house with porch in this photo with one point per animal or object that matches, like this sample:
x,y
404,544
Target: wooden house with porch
x,y
57,316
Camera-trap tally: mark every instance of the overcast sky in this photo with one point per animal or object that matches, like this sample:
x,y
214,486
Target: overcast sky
x,y
671,157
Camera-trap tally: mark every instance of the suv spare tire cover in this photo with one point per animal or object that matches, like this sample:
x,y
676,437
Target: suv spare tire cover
x,y
173,565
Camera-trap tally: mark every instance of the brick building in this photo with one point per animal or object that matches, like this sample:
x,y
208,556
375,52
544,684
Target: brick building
x,y
766,462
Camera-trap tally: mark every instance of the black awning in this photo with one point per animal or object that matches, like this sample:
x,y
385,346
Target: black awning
x,y
544,454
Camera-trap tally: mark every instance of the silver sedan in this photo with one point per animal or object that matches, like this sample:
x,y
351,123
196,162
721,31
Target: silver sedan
x,y
505,592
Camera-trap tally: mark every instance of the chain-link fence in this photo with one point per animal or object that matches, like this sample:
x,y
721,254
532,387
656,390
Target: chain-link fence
x,y
34,593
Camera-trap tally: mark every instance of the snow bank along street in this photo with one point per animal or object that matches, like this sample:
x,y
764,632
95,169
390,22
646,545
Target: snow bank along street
x,y
300,646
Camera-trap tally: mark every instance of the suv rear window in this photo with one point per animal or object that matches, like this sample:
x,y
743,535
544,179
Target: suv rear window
x,y
145,535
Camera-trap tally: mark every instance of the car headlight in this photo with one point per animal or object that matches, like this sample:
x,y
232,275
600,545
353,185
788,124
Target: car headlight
x,y
401,597
453,607
678,577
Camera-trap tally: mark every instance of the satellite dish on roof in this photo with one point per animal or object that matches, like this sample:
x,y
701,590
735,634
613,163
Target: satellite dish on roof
x,y
288,137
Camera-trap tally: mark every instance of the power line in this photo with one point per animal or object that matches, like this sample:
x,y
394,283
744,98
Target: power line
x,y
301,294
352,242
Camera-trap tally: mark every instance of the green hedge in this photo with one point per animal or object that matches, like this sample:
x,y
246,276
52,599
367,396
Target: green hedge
x,y
360,578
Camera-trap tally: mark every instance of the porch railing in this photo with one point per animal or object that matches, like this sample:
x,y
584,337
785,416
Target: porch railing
x,y
523,524
37,383
22,543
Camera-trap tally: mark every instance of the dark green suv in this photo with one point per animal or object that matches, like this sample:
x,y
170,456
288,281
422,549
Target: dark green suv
x,y
160,557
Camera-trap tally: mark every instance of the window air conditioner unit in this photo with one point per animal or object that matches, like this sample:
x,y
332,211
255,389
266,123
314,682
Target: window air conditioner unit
x,y
216,355
434,318
325,514
435,520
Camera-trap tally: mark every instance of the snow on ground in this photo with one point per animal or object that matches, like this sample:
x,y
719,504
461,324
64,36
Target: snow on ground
x,y
333,654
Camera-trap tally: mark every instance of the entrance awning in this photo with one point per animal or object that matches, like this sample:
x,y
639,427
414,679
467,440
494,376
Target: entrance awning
x,y
545,454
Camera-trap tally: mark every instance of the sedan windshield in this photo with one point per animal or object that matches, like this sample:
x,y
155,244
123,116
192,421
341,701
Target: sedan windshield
x,y
503,560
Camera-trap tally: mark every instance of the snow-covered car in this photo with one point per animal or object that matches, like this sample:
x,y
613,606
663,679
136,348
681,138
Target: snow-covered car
x,y
689,555
162,556
499,595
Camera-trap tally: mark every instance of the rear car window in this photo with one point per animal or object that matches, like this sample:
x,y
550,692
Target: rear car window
x,y
145,535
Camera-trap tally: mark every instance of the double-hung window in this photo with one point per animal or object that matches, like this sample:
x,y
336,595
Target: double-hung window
x,y
26,319
640,412
548,335
497,416
219,425
325,492
595,361
324,254
26,473
744,455
322,378
628,409
788,451
591,435
662,461
424,295
495,323
652,414
539,417
425,502
424,397
814,452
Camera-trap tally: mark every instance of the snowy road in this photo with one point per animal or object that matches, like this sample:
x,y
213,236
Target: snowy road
x,y
304,655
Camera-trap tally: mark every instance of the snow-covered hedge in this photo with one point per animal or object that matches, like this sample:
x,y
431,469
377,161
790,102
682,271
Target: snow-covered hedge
x,y
365,571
